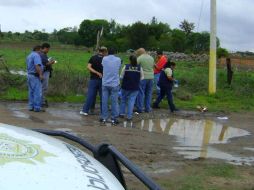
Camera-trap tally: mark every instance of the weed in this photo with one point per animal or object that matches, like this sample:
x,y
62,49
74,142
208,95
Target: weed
x,y
222,170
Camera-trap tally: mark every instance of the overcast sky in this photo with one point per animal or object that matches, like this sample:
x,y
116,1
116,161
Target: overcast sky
x,y
235,18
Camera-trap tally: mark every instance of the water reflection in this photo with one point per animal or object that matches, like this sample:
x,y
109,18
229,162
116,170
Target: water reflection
x,y
21,73
62,123
196,136
20,114
66,114
23,115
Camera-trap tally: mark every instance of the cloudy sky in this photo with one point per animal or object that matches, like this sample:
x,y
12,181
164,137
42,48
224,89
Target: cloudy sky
x,y
235,26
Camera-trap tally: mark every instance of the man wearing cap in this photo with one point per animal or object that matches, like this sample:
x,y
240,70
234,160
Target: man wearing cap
x,y
34,78
94,85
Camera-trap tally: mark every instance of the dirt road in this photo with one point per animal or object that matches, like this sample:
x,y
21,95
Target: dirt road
x,y
164,145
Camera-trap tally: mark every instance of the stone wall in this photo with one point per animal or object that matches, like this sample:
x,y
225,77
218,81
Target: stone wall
x,y
184,57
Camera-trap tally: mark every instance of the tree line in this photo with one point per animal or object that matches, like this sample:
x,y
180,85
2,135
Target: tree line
x,y
152,36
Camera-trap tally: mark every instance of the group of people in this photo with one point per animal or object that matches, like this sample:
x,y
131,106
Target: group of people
x,y
138,78
134,85
39,68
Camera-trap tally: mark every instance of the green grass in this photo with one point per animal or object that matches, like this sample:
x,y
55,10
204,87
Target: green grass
x,y
209,177
76,58
70,73
14,94
227,171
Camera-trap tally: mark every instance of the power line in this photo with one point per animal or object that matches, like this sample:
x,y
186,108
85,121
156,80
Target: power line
x,y
200,13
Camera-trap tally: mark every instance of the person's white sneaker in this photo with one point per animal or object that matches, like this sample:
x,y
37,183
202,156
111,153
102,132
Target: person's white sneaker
x,y
83,113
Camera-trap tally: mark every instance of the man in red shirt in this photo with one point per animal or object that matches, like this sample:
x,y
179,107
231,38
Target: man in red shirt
x,y
161,61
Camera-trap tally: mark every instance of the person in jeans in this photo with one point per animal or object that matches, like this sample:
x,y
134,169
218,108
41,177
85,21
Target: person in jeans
x,y
110,86
166,82
94,84
47,64
131,75
160,63
146,85
34,78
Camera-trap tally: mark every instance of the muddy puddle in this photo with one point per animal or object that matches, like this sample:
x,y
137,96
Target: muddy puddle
x,y
18,72
65,114
195,137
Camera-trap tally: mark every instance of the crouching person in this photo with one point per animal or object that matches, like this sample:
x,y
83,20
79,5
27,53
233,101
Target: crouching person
x,y
166,82
131,75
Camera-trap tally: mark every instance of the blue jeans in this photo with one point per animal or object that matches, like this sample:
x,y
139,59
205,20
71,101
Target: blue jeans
x,y
166,90
128,97
145,95
112,93
156,80
94,86
34,92
45,84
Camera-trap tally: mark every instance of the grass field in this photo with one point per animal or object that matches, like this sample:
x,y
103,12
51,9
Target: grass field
x,y
70,76
211,177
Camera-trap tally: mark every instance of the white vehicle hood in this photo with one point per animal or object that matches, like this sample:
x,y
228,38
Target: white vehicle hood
x,y
33,161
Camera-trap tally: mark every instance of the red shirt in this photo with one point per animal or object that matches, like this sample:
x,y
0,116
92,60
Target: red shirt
x,y
160,64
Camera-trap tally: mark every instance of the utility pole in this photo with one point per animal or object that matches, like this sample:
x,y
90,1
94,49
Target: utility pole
x,y
213,57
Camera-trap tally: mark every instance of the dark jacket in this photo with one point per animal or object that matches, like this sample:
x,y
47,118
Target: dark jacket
x,y
131,77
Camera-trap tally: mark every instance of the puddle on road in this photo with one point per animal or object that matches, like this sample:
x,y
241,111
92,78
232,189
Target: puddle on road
x,y
195,137
36,119
248,148
62,123
20,72
163,171
23,115
20,114
66,114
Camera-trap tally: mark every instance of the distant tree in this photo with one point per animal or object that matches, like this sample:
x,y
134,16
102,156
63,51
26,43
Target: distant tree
x,y
88,30
222,52
187,27
67,36
9,34
165,42
27,35
157,29
17,33
198,42
178,40
1,34
138,35
53,36
41,36
116,30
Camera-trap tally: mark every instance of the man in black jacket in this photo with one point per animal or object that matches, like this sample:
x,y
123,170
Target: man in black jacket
x,y
47,63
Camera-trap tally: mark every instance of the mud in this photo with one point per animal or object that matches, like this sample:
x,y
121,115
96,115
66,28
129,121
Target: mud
x,y
160,143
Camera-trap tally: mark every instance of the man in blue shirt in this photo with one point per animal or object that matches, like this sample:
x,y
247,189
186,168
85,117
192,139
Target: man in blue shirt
x,y
34,78
110,86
